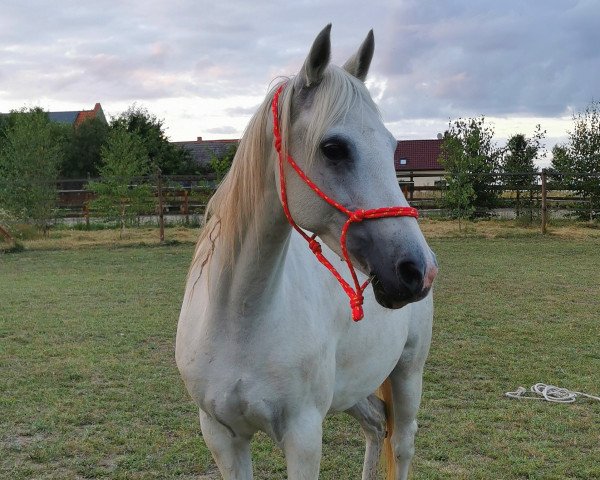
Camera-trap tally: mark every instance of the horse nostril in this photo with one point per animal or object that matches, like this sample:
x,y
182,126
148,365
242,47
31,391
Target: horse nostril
x,y
411,276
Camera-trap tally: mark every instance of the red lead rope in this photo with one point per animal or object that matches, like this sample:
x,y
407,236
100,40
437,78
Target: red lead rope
x,y
355,294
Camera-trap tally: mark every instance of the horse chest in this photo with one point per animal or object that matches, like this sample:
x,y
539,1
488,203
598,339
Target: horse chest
x,y
249,381
365,356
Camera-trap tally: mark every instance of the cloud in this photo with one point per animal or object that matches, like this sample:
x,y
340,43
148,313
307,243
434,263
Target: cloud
x,y
242,111
509,58
224,130
433,60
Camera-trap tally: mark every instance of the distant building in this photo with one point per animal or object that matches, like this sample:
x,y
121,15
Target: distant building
x,y
419,157
416,156
203,151
76,117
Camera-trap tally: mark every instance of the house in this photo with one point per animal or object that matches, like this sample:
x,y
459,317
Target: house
x,y
77,117
411,158
203,151
418,157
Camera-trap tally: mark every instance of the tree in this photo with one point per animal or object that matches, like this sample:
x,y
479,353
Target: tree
x,y
171,159
518,161
221,165
119,192
470,158
30,154
579,158
4,124
459,194
83,149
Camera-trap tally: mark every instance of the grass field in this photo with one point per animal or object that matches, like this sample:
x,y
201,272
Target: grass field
x,y
89,387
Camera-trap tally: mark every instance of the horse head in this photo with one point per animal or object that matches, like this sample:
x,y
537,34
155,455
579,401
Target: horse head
x,y
333,131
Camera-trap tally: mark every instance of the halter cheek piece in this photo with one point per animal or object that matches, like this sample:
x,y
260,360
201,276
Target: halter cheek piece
x,y
354,216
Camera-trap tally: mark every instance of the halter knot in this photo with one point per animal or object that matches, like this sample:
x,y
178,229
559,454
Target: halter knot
x,y
357,215
356,302
314,245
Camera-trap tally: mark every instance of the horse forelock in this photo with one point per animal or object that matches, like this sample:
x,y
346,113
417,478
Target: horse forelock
x,y
231,209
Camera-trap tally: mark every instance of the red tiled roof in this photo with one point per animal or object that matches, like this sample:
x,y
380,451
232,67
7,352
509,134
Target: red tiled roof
x,y
419,155
84,115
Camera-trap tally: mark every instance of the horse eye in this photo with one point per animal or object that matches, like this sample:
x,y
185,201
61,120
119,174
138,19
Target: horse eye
x,y
335,151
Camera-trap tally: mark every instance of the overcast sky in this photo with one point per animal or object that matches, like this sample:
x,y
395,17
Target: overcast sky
x,y
204,66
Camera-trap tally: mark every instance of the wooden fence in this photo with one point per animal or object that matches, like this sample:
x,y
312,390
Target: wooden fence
x,y
184,196
177,195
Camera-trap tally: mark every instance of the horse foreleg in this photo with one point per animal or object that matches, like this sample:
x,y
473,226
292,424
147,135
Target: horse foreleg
x,y
301,444
406,383
231,452
370,413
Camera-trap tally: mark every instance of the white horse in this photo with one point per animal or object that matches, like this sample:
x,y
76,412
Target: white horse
x,y
265,339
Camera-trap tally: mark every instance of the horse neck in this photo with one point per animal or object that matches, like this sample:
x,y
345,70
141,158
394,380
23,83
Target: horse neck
x,y
250,281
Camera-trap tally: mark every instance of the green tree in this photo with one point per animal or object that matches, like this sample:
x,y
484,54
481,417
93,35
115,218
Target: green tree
x,y
4,119
518,161
221,165
30,154
579,159
470,159
170,158
120,193
83,149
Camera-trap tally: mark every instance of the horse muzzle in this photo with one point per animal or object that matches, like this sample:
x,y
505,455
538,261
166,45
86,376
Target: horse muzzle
x,y
410,280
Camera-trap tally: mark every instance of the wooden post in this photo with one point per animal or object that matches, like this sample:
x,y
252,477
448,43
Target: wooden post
x,y
86,214
187,206
161,218
6,234
86,202
544,203
412,186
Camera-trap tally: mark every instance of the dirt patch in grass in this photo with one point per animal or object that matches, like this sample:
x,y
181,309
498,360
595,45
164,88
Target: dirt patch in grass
x,y
65,239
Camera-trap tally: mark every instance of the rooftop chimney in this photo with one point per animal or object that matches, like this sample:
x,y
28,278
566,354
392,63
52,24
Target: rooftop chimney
x,y
199,139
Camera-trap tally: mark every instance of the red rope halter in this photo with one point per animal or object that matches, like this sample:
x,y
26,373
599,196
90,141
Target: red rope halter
x,y
354,216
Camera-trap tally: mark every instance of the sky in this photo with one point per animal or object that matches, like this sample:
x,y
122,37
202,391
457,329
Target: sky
x,y
203,67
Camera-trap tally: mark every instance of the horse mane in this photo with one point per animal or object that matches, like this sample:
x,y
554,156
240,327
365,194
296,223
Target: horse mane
x,y
231,209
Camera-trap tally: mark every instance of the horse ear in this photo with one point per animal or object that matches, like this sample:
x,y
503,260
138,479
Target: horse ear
x,y
359,63
318,58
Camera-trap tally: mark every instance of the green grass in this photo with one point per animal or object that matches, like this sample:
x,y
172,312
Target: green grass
x,y
89,387
512,312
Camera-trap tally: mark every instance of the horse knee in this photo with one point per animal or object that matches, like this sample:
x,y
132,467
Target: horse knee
x,y
403,441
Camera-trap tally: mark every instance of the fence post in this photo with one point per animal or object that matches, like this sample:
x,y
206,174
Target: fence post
x,y
544,203
186,206
86,214
6,234
161,219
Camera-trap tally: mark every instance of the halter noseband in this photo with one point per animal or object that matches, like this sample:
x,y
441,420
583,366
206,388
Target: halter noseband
x,y
354,216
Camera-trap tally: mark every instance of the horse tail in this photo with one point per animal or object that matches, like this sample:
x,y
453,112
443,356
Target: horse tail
x,y
384,392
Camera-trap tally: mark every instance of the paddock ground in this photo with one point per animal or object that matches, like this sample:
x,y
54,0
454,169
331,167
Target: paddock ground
x,y
89,388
